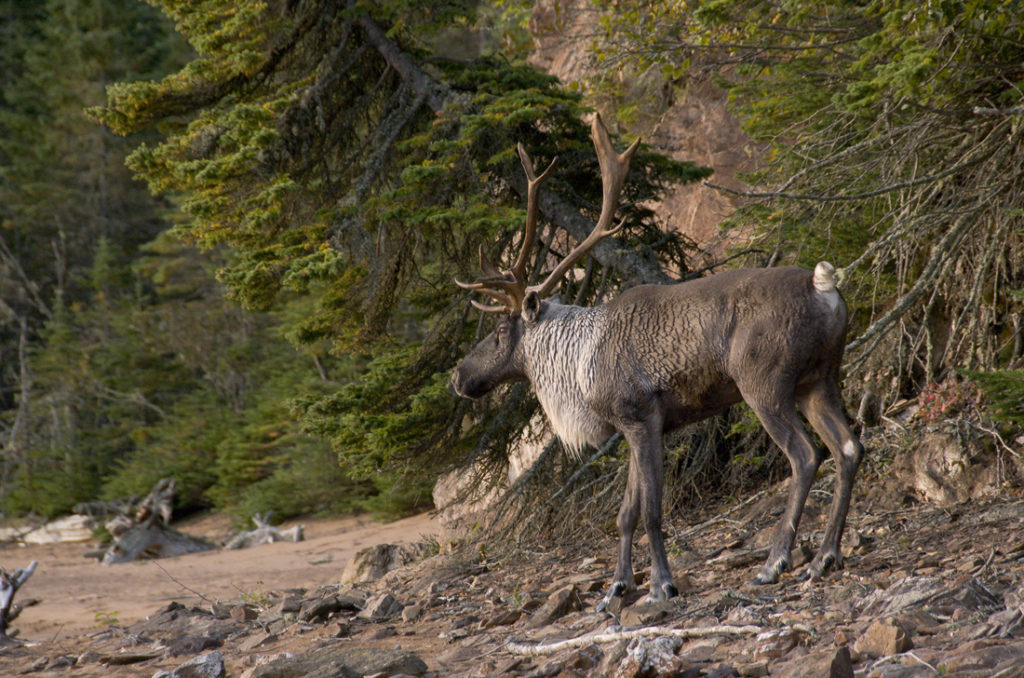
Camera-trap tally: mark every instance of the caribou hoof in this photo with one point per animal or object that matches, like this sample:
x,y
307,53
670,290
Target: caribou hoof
x,y
660,594
769,574
821,564
663,592
617,590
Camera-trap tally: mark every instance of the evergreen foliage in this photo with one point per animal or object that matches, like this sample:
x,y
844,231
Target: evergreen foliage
x,y
351,162
122,361
332,165
1004,391
64,192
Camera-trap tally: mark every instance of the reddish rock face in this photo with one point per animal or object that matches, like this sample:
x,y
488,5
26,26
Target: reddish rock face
x,y
689,124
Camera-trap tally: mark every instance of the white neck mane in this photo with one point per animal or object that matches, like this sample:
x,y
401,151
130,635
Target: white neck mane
x,y
556,351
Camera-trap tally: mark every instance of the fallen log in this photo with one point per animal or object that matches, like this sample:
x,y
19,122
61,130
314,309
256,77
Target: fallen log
x,y
645,632
150,542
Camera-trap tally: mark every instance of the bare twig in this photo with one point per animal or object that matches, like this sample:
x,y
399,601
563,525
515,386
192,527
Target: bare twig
x,y
181,584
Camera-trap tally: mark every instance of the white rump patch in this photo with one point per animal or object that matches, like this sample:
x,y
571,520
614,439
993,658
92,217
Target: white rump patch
x,y
825,283
824,277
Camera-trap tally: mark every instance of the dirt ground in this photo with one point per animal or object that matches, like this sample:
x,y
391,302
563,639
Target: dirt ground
x,y
77,594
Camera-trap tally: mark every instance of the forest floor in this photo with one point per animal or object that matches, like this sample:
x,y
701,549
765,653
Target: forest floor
x,y
926,590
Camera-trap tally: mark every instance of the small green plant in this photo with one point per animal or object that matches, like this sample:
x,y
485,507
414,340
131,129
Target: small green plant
x,y
108,620
261,600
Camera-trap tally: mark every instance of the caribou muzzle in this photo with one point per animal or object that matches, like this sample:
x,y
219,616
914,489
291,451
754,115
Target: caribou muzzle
x,y
468,386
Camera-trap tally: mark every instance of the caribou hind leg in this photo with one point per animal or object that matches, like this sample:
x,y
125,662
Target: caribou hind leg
x,y
824,410
647,453
778,416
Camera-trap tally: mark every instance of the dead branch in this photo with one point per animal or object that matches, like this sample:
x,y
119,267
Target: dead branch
x,y
265,533
657,631
9,585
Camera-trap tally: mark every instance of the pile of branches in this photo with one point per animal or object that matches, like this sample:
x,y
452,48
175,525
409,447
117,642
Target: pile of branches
x,y
705,463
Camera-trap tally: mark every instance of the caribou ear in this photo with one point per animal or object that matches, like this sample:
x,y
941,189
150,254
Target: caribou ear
x,y
532,307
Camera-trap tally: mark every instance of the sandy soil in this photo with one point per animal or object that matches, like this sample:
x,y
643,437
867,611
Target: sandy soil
x,y
78,594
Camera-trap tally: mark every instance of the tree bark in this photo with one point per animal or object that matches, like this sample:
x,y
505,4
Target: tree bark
x,y
415,77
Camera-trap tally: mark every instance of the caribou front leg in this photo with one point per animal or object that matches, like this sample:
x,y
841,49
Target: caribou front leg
x,y
643,496
624,582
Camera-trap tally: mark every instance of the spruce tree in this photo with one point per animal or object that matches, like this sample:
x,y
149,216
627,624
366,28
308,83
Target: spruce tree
x,y
348,156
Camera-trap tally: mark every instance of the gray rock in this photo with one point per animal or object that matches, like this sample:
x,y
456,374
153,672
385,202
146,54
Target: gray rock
x,y
320,610
382,632
822,664
943,470
374,562
191,645
842,664
502,618
775,643
458,654
613,656
412,613
380,607
585,658
645,614
177,621
241,613
257,641
906,593
651,658
343,662
983,656
209,665
753,669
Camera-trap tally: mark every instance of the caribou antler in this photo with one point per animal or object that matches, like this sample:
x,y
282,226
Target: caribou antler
x,y
509,288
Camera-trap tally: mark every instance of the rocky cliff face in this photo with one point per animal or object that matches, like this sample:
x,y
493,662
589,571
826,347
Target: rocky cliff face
x,y
692,124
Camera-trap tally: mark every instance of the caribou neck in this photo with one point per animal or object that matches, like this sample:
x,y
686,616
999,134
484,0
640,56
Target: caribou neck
x,y
554,353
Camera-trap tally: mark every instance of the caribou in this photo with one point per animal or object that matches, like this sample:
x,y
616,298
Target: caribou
x,y
657,357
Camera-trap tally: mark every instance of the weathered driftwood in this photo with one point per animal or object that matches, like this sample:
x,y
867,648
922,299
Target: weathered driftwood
x,y
144,531
71,528
158,504
152,541
265,533
9,585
